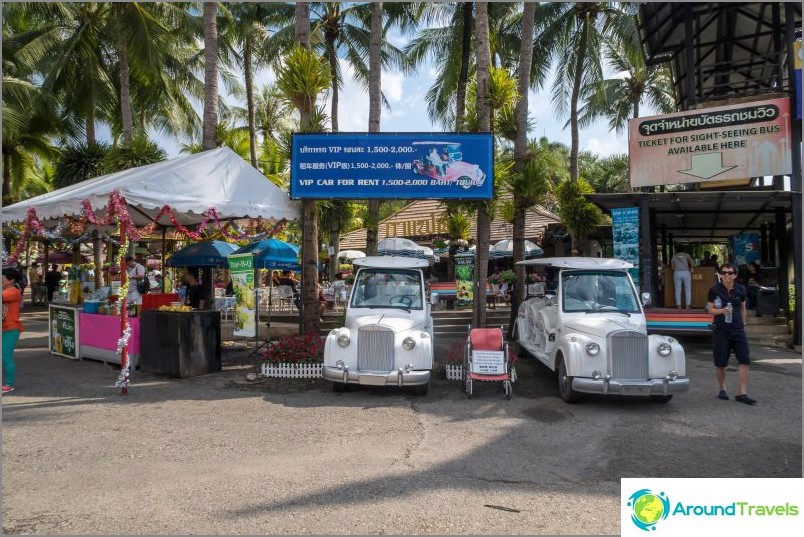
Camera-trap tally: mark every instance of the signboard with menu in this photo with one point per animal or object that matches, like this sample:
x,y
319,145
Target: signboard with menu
x,y
63,331
241,268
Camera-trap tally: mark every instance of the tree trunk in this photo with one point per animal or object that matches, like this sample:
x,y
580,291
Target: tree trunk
x,y
375,112
302,27
249,75
310,267
125,94
372,226
7,179
332,56
520,148
483,59
210,76
375,68
334,239
309,207
576,90
90,127
466,52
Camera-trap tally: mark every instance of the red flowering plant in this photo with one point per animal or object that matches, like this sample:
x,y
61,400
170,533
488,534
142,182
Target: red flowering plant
x,y
307,349
455,352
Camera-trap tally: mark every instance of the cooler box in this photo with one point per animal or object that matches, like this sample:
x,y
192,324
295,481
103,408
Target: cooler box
x,y
152,301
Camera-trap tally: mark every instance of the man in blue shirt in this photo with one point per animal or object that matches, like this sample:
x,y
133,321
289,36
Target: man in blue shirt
x,y
726,301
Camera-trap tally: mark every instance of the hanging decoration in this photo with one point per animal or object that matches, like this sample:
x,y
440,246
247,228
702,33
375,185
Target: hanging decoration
x,y
116,210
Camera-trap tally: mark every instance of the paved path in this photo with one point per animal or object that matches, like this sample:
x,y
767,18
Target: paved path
x,y
217,455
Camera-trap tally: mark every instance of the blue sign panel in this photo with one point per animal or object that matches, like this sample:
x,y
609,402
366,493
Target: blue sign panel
x,y
625,229
392,166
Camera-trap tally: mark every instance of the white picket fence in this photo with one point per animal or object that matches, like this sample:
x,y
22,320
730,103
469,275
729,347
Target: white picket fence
x,y
454,371
292,371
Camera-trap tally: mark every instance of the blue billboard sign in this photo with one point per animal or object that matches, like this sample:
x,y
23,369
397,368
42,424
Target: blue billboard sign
x,y
392,166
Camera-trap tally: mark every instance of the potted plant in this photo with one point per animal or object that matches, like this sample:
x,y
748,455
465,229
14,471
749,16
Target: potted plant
x,y
294,357
508,276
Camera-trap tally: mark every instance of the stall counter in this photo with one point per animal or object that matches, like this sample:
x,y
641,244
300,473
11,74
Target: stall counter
x,y
99,336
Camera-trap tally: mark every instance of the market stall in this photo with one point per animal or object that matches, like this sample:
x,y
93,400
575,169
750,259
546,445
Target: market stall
x,y
208,190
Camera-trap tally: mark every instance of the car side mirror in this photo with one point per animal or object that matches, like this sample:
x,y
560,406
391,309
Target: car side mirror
x,y
645,298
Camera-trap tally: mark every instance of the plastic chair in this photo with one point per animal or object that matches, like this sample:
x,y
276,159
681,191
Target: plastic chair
x,y
285,296
486,360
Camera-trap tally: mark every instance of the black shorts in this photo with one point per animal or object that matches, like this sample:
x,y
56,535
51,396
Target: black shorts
x,y
725,341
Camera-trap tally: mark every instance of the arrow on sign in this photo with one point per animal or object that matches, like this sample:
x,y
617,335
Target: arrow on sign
x,y
707,166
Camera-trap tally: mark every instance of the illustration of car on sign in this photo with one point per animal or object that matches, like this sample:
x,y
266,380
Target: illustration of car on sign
x,y
444,161
387,337
589,327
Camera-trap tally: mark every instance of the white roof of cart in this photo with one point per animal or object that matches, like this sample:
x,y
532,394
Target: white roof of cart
x,y
578,263
388,261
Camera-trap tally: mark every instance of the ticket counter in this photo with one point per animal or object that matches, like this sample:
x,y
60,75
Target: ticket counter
x,y
702,280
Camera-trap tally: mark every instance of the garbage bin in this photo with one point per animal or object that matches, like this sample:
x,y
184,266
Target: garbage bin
x,y
767,301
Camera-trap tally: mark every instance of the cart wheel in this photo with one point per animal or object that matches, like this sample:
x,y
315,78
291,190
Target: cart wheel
x,y
513,374
469,387
509,392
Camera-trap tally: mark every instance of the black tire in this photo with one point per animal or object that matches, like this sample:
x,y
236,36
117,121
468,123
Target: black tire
x,y
565,384
339,387
421,389
465,182
661,398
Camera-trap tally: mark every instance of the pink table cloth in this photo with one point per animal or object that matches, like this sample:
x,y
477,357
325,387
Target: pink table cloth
x,y
103,332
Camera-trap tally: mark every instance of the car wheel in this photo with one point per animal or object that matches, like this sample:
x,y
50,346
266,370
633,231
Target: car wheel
x,y
339,387
416,170
565,384
465,182
421,389
661,398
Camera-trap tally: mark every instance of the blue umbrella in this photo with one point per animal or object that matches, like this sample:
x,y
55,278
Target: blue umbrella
x,y
202,254
273,254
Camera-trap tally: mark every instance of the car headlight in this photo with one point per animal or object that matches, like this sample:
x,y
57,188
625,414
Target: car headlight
x,y
592,348
664,349
343,340
408,343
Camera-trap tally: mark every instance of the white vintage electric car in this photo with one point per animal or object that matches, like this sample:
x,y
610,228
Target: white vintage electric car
x,y
590,328
388,337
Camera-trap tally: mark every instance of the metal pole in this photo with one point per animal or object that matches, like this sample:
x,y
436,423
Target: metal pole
x,y
123,309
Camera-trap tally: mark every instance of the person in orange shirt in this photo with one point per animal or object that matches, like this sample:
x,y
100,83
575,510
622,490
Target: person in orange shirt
x,y
12,327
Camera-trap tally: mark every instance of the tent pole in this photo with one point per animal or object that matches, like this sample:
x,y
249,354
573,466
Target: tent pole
x,y
123,311
164,246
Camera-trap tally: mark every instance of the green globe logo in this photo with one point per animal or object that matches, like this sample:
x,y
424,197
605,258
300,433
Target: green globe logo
x,y
648,508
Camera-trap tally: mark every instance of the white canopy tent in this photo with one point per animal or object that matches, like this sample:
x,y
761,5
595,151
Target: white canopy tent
x,y
190,185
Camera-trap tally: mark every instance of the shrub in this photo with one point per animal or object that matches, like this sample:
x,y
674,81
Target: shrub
x,y
307,349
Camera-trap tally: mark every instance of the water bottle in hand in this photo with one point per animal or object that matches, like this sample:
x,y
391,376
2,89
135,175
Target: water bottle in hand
x,y
729,310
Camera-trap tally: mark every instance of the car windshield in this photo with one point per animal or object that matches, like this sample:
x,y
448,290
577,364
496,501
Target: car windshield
x,y
598,291
388,288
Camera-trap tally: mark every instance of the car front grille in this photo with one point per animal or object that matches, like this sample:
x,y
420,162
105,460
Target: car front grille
x,y
375,349
629,355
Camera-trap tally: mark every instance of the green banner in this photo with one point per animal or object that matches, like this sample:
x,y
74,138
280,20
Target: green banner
x,y
63,331
464,279
241,268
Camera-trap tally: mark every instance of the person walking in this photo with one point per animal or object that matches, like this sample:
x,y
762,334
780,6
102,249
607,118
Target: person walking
x,y
726,301
136,274
12,326
683,267
52,280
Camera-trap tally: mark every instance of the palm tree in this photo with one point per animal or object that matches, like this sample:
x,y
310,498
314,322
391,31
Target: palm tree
x,y
622,96
523,189
579,215
251,35
532,180
573,34
375,110
484,209
210,75
302,77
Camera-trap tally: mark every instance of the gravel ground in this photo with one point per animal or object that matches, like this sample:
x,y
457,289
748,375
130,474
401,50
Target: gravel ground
x,y
217,454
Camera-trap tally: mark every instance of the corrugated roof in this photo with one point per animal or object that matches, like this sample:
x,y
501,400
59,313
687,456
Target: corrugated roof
x,y
420,221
